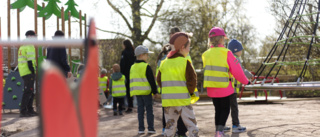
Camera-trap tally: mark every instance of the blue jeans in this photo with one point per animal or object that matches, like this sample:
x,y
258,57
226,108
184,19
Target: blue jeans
x,y
145,101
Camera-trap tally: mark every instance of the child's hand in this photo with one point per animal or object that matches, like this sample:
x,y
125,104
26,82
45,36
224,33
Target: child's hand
x,y
155,96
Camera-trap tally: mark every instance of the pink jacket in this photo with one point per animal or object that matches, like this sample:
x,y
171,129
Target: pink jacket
x,y
236,71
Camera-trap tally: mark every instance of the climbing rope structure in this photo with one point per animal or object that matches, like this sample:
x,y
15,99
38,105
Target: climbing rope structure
x,y
298,37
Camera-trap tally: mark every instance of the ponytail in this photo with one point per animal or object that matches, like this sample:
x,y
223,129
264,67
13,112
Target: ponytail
x,y
165,50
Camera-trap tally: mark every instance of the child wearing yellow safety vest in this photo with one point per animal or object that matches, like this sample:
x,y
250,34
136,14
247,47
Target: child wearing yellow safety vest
x,y
178,81
142,85
117,89
220,66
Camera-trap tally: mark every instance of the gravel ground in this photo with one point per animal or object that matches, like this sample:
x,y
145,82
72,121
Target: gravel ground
x,y
281,119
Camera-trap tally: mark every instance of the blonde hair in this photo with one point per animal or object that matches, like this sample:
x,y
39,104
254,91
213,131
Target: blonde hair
x,y
215,41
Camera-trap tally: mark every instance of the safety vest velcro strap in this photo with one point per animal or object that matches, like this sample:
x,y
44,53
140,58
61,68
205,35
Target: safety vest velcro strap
x,y
196,93
216,68
119,86
217,79
140,88
174,84
31,58
22,62
120,91
176,96
30,53
138,80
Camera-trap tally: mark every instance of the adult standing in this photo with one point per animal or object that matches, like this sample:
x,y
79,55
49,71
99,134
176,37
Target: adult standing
x,y
58,55
127,60
27,68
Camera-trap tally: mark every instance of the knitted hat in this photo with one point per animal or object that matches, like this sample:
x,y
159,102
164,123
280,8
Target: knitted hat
x,y
235,46
58,33
216,31
177,41
30,33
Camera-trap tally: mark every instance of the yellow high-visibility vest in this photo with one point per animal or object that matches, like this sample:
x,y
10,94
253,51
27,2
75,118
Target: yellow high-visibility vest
x,y
216,68
173,82
139,84
103,83
26,53
119,87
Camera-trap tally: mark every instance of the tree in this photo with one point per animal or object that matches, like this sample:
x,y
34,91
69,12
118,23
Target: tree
x,y
21,4
72,8
199,17
138,35
51,8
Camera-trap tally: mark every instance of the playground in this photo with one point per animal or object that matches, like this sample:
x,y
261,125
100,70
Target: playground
x,y
298,117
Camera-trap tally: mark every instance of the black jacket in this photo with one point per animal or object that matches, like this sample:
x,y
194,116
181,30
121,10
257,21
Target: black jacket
x,y
150,78
59,57
127,60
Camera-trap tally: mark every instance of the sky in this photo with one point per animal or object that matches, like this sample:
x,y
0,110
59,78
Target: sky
x,y
106,18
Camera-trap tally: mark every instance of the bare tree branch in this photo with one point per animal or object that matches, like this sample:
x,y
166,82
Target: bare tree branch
x,y
146,11
146,15
152,41
128,2
145,35
119,12
143,2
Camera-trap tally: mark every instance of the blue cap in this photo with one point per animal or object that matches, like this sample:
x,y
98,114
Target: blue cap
x,y
235,46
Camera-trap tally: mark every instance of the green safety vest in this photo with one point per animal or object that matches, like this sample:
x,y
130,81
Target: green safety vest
x,y
173,82
103,83
216,68
119,87
26,53
139,84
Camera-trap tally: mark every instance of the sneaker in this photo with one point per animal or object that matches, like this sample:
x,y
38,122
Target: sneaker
x,y
25,114
120,113
115,113
226,129
238,129
33,113
129,110
151,132
220,134
141,132
163,131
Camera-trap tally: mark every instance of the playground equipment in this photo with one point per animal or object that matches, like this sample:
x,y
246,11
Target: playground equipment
x,y
288,37
76,115
13,91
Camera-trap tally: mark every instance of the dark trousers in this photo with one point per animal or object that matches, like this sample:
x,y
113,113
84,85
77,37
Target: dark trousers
x,y
120,101
182,129
28,95
145,102
234,109
129,98
222,110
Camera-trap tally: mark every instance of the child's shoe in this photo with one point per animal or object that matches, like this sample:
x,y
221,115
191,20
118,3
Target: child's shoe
x,y
151,132
238,129
163,131
226,129
220,134
120,113
141,132
115,113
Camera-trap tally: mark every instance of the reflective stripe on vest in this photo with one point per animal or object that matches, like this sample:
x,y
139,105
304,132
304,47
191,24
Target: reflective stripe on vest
x,y
103,83
139,84
119,87
26,53
216,68
173,81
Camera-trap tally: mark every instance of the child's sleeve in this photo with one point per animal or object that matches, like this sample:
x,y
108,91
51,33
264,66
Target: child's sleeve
x,y
110,86
151,80
159,78
191,77
236,69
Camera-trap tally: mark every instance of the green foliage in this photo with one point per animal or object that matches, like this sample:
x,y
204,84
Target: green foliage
x,y
51,8
21,4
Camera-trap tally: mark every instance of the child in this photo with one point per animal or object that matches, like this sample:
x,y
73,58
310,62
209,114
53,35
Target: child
x,y
219,64
142,84
103,80
177,79
117,88
236,47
